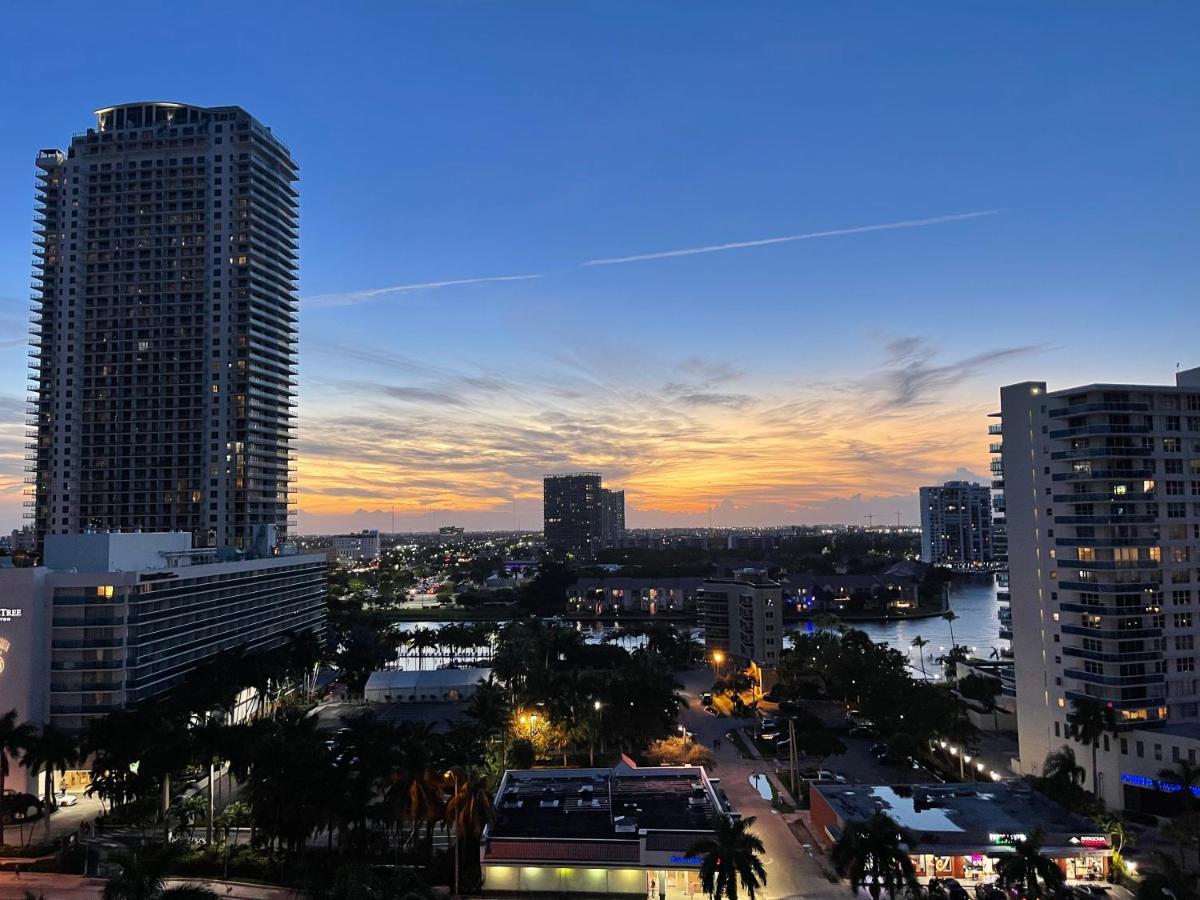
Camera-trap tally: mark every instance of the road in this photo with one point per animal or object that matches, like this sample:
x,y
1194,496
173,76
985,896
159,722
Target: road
x,y
791,873
72,887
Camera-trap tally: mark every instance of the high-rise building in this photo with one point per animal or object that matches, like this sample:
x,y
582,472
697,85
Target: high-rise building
x,y
573,513
956,524
164,335
612,523
1102,495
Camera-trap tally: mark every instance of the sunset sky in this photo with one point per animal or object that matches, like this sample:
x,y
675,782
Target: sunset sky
x,y
772,257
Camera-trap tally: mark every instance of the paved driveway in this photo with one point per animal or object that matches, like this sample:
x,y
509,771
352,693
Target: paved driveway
x,y
791,872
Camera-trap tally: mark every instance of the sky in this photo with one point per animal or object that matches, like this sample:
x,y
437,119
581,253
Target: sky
x,y
756,263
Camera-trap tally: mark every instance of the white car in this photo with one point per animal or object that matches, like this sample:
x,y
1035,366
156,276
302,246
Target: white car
x,y
61,800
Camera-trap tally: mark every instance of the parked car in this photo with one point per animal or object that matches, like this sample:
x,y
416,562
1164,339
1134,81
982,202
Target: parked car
x,y
65,800
989,891
879,751
16,806
862,731
706,699
825,775
710,710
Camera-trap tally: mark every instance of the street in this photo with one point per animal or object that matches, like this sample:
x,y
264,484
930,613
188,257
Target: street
x,y
791,872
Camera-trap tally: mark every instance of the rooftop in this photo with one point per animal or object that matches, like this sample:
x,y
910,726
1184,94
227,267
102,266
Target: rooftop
x,y
962,815
434,680
673,802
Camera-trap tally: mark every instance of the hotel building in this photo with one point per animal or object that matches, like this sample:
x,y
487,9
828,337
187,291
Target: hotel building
x,y
164,326
1102,495
112,620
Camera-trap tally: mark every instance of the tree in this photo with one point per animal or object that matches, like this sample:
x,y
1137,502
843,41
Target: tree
x,y
1186,775
983,689
920,643
732,857
1060,766
1028,871
14,739
141,876
950,616
1093,720
49,750
873,853
467,811
1119,833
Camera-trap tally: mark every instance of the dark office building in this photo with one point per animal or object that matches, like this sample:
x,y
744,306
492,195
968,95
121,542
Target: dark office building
x,y
580,516
612,523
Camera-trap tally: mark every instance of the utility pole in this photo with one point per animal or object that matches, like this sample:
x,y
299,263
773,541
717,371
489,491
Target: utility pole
x,y
897,518
870,520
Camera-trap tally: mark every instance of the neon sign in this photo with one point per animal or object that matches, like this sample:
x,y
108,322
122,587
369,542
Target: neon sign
x,y
998,838
687,860
1167,787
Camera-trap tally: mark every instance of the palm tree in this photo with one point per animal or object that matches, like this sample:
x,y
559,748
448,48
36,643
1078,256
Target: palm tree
x,y
1092,720
1118,832
920,642
1187,775
14,739
950,615
467,811
141,876
731,857
1060,766
874,854
1028,871
49,750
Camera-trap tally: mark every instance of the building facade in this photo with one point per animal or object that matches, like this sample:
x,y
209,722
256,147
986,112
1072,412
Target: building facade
x,y
956,524
363,546
164,326
623,831
1102,495
742,618
580,516
612,523
112,620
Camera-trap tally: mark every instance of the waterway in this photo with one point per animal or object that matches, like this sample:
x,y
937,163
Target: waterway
x,y
972,598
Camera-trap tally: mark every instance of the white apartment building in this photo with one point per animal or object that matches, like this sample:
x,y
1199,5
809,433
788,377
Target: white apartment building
x,y
1101,485
363,546
956,524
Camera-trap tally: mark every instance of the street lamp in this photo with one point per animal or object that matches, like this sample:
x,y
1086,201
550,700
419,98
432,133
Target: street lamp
x,y
457,836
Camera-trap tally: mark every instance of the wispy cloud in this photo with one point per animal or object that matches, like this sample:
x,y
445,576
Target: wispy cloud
x,y
354,297
762,242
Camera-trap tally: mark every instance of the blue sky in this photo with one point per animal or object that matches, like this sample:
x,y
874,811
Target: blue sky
x,y
800,381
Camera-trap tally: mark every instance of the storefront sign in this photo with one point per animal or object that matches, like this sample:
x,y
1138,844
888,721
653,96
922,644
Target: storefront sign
x,y
997,838
1090,840
1168,787
687,860
7,615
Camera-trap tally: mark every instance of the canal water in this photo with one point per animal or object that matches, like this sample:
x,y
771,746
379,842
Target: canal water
x,y
973,599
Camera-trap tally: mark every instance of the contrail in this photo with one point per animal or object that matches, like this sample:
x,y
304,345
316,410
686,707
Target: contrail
x,y
862,229
349,299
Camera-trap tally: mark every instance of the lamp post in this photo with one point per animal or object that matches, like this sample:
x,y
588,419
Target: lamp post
x,y
454,775
597,706
718,659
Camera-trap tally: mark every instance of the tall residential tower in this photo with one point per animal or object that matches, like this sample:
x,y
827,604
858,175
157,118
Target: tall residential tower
x,y
1102,496
164,326
956,524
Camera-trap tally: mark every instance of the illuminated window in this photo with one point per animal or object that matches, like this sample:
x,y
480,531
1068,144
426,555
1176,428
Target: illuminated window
x,y
105,591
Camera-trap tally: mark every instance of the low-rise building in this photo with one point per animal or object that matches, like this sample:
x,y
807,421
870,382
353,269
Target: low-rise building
x,y
961,830
436,686
742,618
838,593
628,594
361,547
624,831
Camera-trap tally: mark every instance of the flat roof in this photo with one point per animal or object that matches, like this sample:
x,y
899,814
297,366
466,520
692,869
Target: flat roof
x,y
673,802
435,679
962,816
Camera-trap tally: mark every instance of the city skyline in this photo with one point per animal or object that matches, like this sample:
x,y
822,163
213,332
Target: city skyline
x,y
641,262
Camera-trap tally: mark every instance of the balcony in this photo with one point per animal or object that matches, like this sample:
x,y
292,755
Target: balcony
x,y
1101,656
1135,703
995,429
1109,635
1110,587
1105,520
1080,409
1115,680
1082,430
1102,452
1102,474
